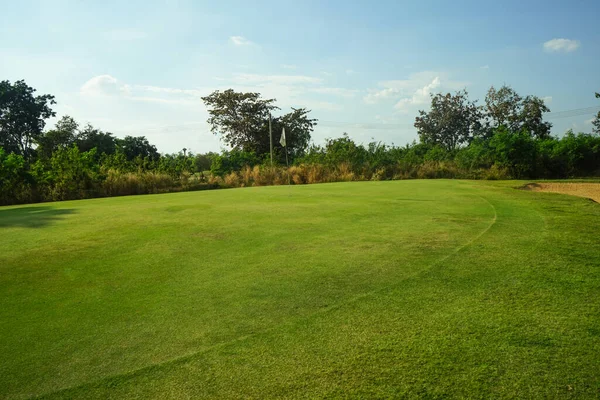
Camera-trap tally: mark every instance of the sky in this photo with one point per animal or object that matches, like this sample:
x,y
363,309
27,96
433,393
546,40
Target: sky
x,y
362,67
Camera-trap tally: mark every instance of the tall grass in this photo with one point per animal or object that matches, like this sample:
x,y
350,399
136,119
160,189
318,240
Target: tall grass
x,y
118,183
303,174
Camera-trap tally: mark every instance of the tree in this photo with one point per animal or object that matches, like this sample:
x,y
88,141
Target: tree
x,y
137,147
452,121
502,107
242,120
596,121
62,136
298,127
505,107
91,137
532,117
22,116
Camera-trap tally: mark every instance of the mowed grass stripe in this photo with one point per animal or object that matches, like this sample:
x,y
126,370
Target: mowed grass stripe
x,y
414,330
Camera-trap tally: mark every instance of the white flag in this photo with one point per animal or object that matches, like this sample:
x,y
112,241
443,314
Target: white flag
x,y
282,140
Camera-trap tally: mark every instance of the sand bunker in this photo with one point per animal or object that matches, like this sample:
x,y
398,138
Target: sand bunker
x,y
582,189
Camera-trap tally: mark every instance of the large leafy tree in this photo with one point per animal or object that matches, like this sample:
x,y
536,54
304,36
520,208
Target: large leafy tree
x,y
90,138
505,107
298,127
452,121
22,116
62,136
137,147
242,120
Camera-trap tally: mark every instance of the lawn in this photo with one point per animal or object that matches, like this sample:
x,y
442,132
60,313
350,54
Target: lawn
x,y
364,289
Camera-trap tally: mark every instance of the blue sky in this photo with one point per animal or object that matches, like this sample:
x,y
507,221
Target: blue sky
x,y
140,67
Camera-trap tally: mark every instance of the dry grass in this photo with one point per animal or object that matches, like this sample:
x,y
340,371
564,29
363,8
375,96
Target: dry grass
x,y
581,189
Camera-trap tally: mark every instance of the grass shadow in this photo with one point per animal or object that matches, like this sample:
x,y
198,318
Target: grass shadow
x,y
32,217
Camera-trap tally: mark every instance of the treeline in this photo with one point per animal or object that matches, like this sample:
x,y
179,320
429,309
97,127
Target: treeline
x,y
504,139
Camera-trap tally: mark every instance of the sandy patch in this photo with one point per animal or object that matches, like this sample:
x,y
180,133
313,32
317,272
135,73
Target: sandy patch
x,y
582,189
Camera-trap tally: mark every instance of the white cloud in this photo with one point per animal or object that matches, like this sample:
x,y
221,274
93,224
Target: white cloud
x,y
125,34
102,85
547,99
289,90
561,45
350,72
377,95
420,96
288,66
485,67
409,91
240,41
106,85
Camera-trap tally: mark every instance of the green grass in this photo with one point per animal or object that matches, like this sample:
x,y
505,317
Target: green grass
x,y
371,289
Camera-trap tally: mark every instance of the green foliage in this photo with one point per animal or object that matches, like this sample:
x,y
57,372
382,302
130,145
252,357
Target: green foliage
x,y
505,107
578,154
14,179
137,147
515,151
242,120
458,140
62,136
175,164
71,175
202,162
22,117
91,138
452,121
233,160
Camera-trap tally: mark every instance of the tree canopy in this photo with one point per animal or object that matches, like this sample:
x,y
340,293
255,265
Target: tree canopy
x,y
22,116
452,121
505,107
242,121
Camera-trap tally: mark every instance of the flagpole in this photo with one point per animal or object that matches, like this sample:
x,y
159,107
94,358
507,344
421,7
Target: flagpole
x,y
271,139
287,165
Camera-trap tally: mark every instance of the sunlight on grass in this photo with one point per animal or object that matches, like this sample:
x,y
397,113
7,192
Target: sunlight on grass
x,y
370,289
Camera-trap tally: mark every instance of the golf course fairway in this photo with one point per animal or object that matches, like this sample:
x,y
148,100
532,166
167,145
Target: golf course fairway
x,y
423,288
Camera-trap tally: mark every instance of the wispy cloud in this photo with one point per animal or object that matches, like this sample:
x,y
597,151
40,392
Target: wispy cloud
x,y
240,41
377,95
289,90
350,72
289,66
101,85
561,45
420,96
125,34
485,67
413,90
109,86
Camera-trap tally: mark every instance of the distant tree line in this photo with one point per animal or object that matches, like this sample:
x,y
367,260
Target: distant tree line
x,y
502,139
